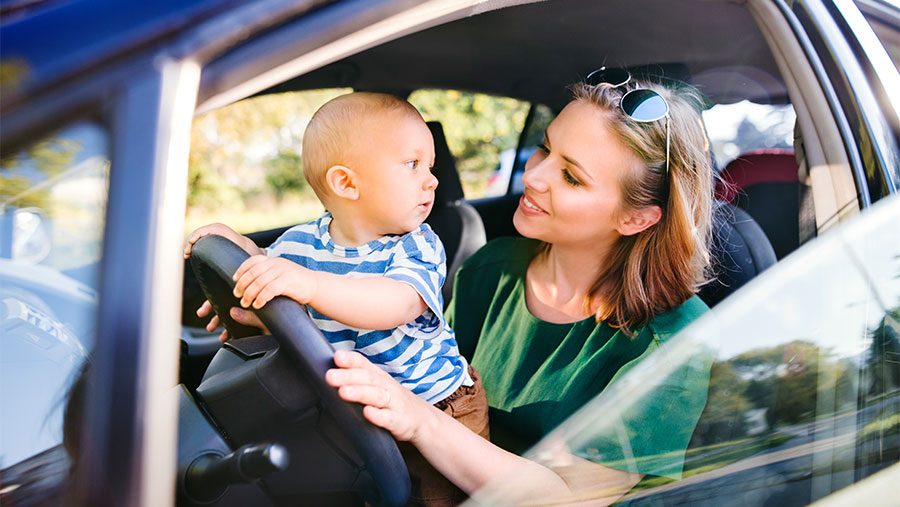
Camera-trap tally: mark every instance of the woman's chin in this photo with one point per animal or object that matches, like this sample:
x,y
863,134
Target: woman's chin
x,y
520,222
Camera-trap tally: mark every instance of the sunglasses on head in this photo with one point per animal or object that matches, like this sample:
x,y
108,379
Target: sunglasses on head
x,y
641,104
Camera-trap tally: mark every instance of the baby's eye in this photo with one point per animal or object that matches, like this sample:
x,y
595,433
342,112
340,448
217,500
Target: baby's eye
x,y
413,164
571,180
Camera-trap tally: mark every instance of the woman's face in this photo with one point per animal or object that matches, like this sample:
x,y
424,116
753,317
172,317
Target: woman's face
x,y
572,190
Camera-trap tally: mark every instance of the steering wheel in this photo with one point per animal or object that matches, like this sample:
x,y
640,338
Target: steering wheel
x,y
214,260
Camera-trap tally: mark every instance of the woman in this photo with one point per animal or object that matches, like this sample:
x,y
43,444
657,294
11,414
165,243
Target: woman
x,y
615,218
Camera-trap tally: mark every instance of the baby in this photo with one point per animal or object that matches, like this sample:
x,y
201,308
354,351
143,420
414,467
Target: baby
x,y
370,270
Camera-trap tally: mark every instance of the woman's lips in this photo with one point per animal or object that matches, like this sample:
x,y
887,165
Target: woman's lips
x,y
530,208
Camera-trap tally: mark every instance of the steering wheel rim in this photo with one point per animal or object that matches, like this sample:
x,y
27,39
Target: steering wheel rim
x,y
214,260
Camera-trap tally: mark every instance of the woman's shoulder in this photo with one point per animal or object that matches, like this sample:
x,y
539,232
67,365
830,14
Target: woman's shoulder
x,y
667,324
500,252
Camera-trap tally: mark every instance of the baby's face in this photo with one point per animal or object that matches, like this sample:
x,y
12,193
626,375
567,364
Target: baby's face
x,y
396,186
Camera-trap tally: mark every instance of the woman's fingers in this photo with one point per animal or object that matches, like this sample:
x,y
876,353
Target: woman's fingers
x,y
352,359
248,318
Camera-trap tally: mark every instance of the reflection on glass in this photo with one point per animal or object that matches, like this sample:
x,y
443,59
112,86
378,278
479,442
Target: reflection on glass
x,y
804,391
52,209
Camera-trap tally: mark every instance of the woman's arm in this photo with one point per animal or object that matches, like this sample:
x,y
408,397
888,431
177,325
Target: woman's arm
x,y
462,456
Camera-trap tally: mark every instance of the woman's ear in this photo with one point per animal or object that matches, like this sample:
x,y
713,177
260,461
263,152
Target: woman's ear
x,y
342,182
636,221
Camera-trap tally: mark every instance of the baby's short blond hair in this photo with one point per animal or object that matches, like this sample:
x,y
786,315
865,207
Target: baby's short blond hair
x,y
337,128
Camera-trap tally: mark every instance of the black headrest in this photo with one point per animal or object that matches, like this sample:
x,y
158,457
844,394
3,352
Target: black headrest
x,y
449,188
740,250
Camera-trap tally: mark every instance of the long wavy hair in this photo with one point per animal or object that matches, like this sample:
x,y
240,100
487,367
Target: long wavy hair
x,y
662,266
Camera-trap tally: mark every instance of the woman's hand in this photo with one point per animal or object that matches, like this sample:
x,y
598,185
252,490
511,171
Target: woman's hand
x,y
239,315
387,403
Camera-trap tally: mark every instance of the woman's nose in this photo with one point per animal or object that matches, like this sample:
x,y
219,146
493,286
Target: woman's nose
x,y
534,176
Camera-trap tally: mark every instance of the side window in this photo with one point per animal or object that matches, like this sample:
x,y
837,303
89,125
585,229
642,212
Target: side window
x,y
736,129
752,147
53,197
245,166
539,120
482,133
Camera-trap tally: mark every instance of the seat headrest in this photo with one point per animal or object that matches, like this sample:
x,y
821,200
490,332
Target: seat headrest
x,y
772,165
449,188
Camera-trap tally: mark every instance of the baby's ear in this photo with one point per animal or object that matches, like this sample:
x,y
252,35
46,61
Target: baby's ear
x,y
342,182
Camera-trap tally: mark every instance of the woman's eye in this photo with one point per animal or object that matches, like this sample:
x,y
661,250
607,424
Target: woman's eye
x,y
571,180
544,148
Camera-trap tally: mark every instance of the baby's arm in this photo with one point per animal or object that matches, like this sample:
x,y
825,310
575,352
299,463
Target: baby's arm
x,y
222,230
365,303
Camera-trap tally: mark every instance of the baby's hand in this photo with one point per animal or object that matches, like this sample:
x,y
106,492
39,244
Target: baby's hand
x,y
208,230
261,278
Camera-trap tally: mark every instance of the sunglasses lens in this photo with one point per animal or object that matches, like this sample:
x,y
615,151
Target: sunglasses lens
x,y
614,76
644,105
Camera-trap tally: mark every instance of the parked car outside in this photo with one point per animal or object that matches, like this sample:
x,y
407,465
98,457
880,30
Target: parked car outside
x,y
112,394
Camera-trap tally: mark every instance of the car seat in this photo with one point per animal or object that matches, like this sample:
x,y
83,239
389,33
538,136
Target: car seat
x,y
766,185
453,219
739,251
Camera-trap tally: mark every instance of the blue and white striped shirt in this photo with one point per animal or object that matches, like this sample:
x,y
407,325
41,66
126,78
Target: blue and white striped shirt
x,y
422,355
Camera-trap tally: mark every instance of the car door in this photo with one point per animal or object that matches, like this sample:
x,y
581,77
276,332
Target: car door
x,y
132,76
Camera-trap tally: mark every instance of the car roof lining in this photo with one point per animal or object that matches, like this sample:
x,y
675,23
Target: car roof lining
x,y
482,48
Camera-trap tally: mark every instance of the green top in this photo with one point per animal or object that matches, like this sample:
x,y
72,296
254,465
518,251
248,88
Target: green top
x,y
537,373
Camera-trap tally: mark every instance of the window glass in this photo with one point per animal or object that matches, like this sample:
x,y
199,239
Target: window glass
x,y
53,197
735,129
885,22
804,388
245,166
534,136
480,129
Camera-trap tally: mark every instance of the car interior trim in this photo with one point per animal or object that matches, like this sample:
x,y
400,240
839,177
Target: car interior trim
x,y
863,110
393,27
827,167
833,187
837,67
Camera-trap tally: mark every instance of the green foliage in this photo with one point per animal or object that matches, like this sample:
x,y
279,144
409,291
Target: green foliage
x,y
726,403
50,157
285,175
250,148
477,126
246,157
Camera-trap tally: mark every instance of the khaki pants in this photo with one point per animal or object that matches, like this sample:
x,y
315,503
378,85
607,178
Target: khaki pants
x,y
467,405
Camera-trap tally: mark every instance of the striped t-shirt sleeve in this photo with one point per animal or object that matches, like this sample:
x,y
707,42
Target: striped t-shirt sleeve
x,y
421,262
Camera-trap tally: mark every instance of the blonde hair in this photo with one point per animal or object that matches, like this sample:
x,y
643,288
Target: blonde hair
x,y
337,127
661,267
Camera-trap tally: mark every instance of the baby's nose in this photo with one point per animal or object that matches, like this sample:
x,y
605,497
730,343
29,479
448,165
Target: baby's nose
x,y
431,182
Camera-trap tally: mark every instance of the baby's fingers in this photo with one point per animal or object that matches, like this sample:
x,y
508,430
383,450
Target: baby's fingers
x,y
247,265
